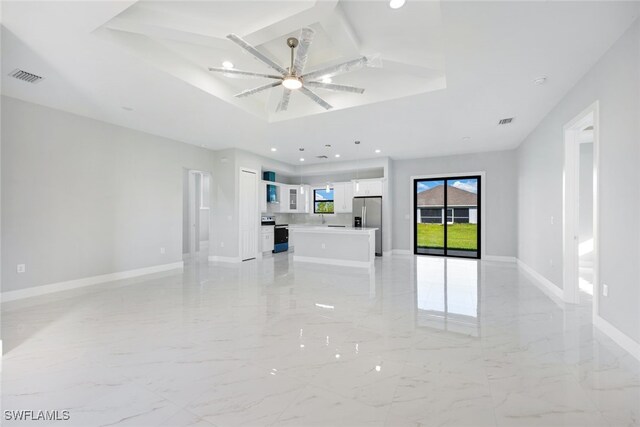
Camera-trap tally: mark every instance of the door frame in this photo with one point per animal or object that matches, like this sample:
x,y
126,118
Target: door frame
x,y
193,211
257,254
570,205
483,192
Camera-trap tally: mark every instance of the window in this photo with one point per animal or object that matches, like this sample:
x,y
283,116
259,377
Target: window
x,y
323,201
447,216
431,215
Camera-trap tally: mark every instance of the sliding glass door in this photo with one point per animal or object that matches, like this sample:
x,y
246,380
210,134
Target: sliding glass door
x,y
447,216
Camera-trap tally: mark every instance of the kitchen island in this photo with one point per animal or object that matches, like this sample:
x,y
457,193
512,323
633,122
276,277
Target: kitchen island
x,y
348,246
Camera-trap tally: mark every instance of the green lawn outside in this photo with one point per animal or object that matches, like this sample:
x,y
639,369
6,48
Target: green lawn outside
x,y
459,236
324,207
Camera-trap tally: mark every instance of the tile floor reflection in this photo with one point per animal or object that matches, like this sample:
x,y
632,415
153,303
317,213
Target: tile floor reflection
x,y
417,341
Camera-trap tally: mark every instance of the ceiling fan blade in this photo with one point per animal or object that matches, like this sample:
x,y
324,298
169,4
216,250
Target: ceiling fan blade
x,y
256,53
284,102
257,89
324,104
333,70
243,73
335,87
306,37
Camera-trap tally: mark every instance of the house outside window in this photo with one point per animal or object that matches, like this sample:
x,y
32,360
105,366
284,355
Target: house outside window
x,y
323,201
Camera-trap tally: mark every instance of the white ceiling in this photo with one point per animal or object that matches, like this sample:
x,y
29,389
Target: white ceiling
x,y
490,52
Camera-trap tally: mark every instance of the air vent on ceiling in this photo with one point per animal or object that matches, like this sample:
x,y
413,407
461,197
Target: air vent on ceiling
x,y
321,157
506,121
25,76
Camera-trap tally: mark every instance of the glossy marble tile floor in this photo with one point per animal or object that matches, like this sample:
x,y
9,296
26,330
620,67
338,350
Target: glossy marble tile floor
x,y
419,341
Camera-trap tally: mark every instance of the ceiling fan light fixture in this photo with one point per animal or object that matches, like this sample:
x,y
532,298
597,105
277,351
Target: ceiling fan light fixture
x,y
396,4
292,82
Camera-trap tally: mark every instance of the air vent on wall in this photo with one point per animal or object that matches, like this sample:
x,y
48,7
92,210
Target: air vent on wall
x,y
506,121
321,157
25,76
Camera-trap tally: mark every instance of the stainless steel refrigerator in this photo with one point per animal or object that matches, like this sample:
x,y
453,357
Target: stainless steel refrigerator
x,y
369,209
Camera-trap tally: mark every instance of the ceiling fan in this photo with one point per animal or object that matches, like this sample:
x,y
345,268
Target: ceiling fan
x,y
292,78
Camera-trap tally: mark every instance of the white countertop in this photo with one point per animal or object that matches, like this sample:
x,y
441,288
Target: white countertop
x,y
326,229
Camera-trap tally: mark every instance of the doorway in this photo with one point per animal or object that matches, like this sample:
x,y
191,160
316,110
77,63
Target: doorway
x,y
447,216
249,214
580,208
196,215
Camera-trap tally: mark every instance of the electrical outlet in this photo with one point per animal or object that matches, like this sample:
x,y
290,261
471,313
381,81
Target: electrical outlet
x,y
222,244
551,262
551,220
21,268
162,251
605,290
324,246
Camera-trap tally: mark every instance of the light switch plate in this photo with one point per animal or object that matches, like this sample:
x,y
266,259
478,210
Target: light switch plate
x,y
21,268
605,290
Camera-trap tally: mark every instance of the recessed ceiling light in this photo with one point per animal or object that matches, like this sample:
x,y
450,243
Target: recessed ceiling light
x,y
227,64
466,138
396,4
540,80
127,108
302,159
274,149
337,155
377,151
326,79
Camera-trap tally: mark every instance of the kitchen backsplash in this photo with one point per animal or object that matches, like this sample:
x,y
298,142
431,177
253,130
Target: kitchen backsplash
x,y
330,219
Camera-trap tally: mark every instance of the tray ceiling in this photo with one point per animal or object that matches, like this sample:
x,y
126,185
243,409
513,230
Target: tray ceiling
x,y
184,39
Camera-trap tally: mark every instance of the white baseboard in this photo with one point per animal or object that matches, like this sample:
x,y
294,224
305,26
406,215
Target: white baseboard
x,y
224,258
402,252
617,336
499,258
543,283
86,281
330,261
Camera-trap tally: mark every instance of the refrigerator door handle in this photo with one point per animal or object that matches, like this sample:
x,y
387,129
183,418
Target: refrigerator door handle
x,y
364,224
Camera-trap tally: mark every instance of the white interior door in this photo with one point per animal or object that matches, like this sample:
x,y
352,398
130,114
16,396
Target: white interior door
x,y
248,214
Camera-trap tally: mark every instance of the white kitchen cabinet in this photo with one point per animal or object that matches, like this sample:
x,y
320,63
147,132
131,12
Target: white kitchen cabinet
x,y
342,197
277,206
367,187
303,199
291,192
263,197
267,240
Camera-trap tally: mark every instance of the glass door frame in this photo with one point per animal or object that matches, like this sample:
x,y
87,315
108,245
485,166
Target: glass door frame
x,y
446,178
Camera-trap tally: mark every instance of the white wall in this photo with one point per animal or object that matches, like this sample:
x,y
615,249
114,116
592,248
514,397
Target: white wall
x,y
614,82
500,195
83,198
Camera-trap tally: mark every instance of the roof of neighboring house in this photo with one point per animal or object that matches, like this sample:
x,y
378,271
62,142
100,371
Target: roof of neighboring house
x,y
455,197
